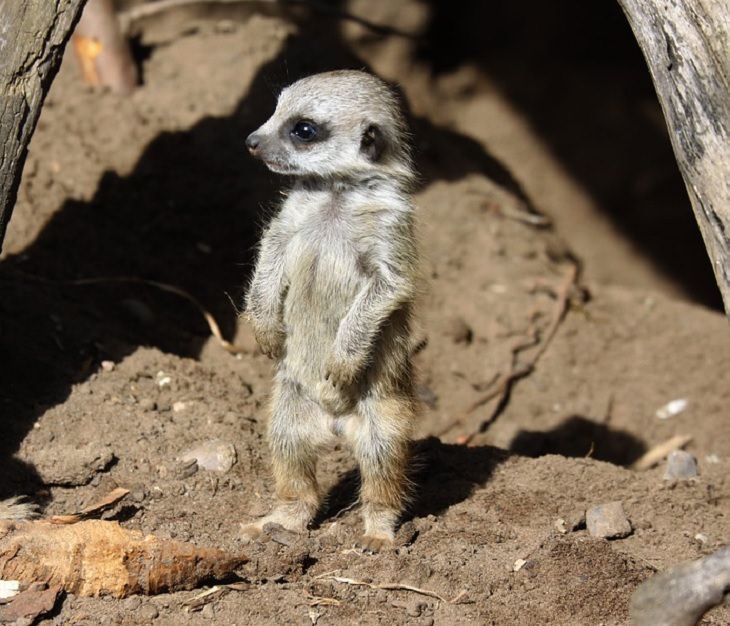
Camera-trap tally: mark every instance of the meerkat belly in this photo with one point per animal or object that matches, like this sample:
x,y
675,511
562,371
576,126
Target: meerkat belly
x,y
323,278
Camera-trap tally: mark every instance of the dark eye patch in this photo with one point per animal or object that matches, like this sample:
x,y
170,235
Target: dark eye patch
x,y
304,131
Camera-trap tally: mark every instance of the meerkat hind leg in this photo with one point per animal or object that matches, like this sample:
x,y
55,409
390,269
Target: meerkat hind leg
x,y
381,445
295,440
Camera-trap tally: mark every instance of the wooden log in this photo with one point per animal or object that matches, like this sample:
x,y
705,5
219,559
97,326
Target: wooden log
x,y
103,52
33,34
686,44
95,557
682,595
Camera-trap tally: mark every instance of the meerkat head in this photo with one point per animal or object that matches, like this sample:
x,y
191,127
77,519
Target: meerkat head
x,y
343,124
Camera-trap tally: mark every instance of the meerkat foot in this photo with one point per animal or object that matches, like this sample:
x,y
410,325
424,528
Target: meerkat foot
x,y
18,509
291,516
250,532
372,543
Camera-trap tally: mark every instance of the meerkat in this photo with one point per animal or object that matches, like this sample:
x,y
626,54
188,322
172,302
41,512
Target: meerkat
x,y
332,295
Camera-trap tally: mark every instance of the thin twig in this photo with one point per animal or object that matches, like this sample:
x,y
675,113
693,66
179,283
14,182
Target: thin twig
x,y
209,319
207,596
390,587
93,510
519,369
322,601
657,453
136,13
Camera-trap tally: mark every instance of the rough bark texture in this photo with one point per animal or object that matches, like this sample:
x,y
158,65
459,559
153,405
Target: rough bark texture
x,y
682,595
33,34
686,44
96,557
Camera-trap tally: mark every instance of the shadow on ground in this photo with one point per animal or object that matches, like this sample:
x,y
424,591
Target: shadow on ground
x,y
443,475
575,71
578,436
189,214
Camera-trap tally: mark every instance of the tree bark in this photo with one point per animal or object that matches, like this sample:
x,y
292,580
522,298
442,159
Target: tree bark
x,y
33,34
686,44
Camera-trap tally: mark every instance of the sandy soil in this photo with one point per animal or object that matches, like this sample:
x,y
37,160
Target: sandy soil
x,y
106,382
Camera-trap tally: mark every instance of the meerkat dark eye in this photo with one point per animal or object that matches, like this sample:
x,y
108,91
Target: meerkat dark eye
x,y
304,131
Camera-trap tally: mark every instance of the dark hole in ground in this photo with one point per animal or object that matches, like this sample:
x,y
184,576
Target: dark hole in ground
x,y
578,436
575,70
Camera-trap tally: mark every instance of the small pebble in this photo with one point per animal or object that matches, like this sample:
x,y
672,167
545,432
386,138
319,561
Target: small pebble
x,y
415,607
214,455
179,406
519,564
107,366
670,409
280,534
608,521
186,469
147,614
162,379
681,465
147,404
456,329
132,603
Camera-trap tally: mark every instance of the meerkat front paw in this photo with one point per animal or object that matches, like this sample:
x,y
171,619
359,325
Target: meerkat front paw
x,y
270,340
373,543
343,371
333,398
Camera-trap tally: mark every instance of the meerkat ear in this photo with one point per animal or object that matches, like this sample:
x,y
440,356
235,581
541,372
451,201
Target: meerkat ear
x,y
372,143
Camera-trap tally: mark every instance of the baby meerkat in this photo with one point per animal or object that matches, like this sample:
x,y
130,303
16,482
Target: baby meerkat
x,y
332,295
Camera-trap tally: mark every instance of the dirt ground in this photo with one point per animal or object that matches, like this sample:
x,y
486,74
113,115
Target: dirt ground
x,y
105,382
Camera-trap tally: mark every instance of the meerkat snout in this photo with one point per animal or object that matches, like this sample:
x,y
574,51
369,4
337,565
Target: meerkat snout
x,y
252,142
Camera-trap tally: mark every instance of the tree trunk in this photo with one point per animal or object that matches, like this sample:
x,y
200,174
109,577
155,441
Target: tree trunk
x,y
103,52
686,44
33,34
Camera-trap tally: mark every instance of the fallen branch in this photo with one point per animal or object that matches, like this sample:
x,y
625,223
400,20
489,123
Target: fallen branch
x,y
94,557
680,596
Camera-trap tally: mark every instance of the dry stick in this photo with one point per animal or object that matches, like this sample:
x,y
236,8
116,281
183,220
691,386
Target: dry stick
x,y
93,510
152,8
210,320
212,324
657,453
518,370
199,600
391,587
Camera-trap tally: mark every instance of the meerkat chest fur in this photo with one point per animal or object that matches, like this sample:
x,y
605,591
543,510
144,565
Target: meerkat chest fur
x,y
339,240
